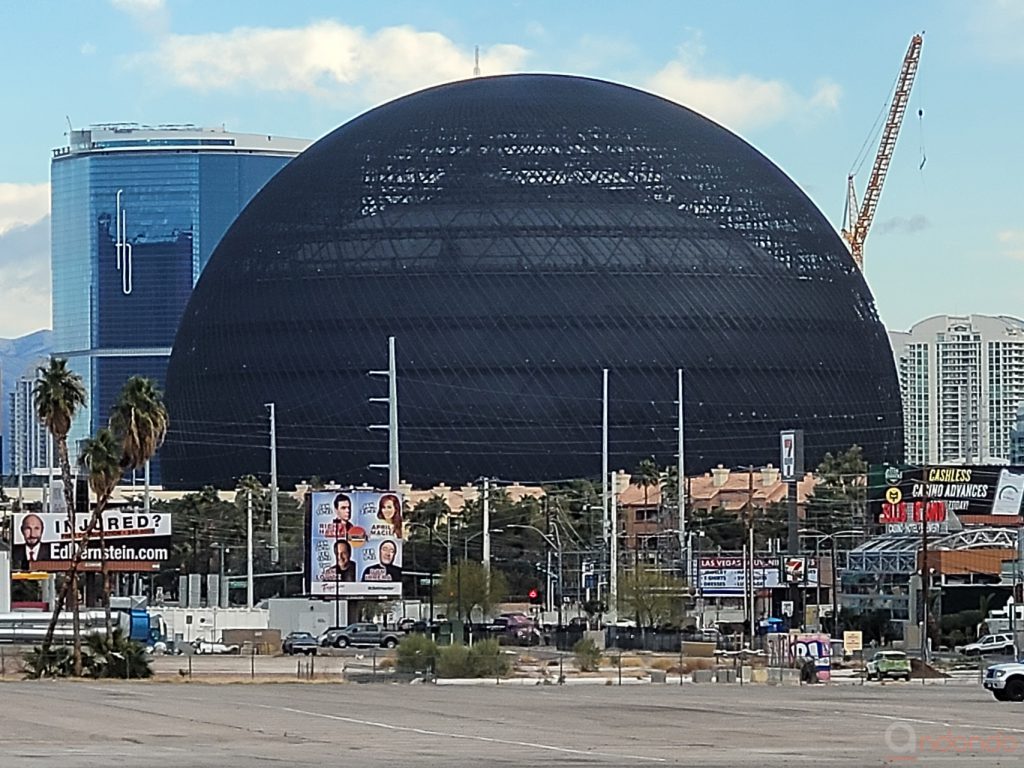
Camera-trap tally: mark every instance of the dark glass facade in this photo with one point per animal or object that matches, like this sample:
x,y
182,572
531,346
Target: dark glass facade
x,y
517,235
177,198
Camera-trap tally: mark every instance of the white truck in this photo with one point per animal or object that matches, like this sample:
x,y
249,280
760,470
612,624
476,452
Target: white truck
x,y
1005,681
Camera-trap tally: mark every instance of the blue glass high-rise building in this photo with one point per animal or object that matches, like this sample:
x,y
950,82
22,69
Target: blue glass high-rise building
x,y
136,212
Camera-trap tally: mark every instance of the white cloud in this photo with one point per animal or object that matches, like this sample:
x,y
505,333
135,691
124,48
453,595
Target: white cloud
x,y
88,49
22,204
322,59
151,15
25,278
740,101
138,6
996,27
1012,242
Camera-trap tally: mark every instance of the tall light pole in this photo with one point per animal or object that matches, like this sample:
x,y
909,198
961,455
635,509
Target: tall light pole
x,y
681,480
249,585
275,551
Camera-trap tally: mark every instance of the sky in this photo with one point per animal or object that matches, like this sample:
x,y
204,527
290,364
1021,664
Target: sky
x,y
803,81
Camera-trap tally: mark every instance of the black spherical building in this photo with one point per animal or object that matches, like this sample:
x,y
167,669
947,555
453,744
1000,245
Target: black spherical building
x,y
517,235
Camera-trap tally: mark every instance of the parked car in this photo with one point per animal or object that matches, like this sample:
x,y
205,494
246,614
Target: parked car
x,y
515,629
207,647
988,644
362,634
299,642
406,624
1005,681
893,665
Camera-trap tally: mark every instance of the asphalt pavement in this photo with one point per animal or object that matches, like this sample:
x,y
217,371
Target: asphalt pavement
x,y
193,725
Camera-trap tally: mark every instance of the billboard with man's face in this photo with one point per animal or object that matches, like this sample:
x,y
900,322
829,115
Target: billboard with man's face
x,y
355,544
132,541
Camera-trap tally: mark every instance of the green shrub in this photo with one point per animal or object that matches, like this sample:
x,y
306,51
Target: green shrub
x,y
453,661
588,655
416,653
56,663
483,659
116,656
487,660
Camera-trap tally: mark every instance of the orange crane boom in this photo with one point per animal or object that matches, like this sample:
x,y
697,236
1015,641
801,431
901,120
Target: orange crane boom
x,y
858,220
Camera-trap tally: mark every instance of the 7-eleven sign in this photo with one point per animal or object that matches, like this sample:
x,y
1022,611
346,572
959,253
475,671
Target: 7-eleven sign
x,y
791,454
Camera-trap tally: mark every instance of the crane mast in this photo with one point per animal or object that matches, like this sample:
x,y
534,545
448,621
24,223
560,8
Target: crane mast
x,y
858,220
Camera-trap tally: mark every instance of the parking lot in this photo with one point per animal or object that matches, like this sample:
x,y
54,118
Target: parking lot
x,y
72,725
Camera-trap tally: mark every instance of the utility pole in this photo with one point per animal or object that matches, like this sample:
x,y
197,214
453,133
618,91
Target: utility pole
x,y
1018,575
750,547
925,575
835,583
249,590
605,482
275,543
684,552
487,528
548,591
392,425
613,559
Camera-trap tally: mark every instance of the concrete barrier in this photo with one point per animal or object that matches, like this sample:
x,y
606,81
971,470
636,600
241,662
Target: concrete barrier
x,y
723,675
703,675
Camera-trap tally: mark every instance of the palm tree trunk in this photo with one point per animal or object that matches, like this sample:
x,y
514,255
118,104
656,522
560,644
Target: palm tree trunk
x,y
76,624
69,503
70,586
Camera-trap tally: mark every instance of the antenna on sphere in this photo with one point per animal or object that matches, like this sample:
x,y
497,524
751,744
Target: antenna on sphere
x,y
476,65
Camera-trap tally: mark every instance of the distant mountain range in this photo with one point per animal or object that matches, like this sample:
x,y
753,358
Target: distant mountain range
x,y
18,357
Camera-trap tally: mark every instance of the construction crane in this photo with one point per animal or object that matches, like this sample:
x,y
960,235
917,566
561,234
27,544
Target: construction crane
x,y
857,219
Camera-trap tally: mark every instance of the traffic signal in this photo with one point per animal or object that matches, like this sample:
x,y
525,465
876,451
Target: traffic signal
x,y
536,598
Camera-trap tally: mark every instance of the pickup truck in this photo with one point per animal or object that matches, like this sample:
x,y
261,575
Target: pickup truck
x,y
1005,681
368,635
202,647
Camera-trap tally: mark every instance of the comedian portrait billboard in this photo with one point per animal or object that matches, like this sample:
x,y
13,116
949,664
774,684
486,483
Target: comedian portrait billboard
x,y
355,544
132,541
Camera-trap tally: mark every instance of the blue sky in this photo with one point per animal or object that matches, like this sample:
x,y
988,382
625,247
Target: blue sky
x,y
804,82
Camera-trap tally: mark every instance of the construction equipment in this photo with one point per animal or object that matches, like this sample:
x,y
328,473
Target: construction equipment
x,y
857,219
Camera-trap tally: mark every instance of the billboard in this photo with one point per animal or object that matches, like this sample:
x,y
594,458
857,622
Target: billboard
x,y
134,541
727,575
355,544
900,496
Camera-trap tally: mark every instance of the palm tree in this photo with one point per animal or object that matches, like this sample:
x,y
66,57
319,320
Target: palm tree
x,y
101,456
139,421
58,394
647,475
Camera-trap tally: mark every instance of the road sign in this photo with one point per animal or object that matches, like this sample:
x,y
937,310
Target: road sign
x,y
853,641
428,581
